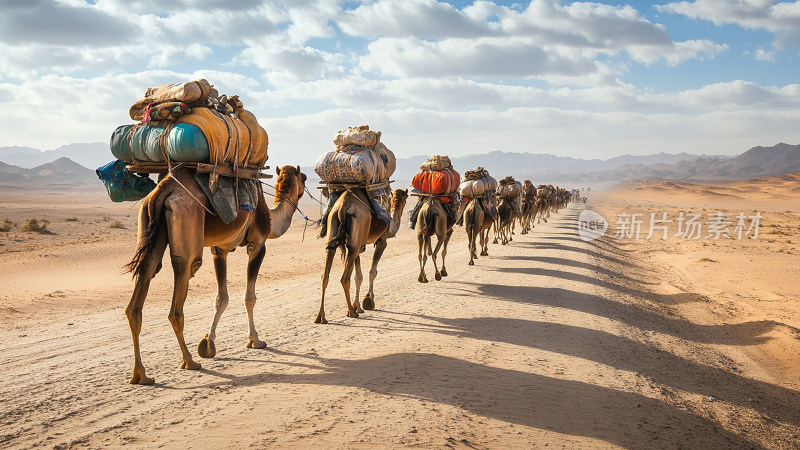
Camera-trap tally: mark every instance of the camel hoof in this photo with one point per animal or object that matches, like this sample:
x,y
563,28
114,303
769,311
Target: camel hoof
x,y
256,343
352,314
421,278
206,348
321,320
438,277
368,303
471,263
190,365
444,272
484,253
141,378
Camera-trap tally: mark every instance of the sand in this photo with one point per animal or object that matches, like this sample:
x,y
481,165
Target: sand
x,y
549,341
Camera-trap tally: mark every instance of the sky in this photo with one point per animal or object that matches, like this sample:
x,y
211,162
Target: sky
x,y
579,79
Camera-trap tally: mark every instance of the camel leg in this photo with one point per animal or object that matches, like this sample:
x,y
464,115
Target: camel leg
x,y
325,276
444,250
423,257
369,299
134,310
186,253
206,347
350,262
434,252
358,277
496,229
484,235
253,266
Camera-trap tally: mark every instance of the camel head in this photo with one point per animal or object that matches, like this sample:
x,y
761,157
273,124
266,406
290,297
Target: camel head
x,y
291,181
399,197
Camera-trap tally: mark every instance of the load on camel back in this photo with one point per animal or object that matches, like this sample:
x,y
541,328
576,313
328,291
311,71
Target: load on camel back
x,y
436,179
359,161
190,125
480,186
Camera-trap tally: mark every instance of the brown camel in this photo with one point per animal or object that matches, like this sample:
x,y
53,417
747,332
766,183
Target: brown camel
x,y
352,224
544,202
477,223
529,206
505,217
432,220
176,214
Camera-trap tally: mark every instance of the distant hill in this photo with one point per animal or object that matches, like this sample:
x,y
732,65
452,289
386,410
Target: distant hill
x,y
92,155
62,171
758,162
539,166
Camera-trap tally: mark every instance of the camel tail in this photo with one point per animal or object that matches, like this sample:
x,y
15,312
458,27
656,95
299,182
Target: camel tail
x,y
425,221
473,224
149,216
339,240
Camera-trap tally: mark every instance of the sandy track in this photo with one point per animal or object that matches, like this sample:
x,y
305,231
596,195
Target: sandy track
x,y
550,340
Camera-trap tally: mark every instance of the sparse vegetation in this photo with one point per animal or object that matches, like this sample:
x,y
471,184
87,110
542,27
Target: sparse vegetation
x,y
106,218
706,260
116,224
37,226
71,219
7,224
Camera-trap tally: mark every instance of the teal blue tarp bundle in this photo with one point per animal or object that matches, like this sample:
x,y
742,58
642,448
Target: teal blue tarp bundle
x,y
183,142
123,185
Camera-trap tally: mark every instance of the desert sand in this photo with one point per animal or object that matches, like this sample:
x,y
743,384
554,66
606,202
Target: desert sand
x,y
549,341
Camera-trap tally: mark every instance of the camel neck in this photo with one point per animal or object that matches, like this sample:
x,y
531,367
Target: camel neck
x,y
394,225
281,215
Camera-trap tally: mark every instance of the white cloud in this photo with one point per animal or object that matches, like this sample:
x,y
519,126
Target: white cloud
x,y
757,14
678,52
764,55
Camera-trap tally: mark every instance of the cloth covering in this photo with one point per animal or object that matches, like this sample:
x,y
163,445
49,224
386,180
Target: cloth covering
x,y
228,200
240,141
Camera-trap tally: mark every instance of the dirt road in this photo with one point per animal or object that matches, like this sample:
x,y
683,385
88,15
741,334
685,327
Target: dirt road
x,y
548,341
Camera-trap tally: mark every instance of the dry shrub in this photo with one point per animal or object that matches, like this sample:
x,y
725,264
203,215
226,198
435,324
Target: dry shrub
x,y
71,219
7,224
37,226
116,224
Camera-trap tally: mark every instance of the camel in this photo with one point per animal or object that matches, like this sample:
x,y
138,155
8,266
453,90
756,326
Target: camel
x,y
352,224
477,223
544,202
433,219
177,214
505,217
529,208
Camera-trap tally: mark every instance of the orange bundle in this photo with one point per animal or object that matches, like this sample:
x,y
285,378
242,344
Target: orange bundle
x,y
437,182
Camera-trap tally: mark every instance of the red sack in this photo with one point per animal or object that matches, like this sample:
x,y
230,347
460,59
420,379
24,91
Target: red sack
x,y
437,182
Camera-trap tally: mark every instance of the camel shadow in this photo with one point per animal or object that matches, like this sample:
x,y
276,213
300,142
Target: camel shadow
x,y
626,354
664,299
743,334
556,405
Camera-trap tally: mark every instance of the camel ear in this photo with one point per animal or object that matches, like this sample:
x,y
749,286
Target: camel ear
x,y
406,191
278,170
298,169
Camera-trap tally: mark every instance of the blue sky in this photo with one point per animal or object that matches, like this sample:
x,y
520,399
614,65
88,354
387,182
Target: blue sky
x,y
591,80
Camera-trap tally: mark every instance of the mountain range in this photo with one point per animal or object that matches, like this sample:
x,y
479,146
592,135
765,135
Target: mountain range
x,y
62,171
75,163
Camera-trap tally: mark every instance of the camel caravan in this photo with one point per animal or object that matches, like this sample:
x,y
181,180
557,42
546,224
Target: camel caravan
x,y
210,155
